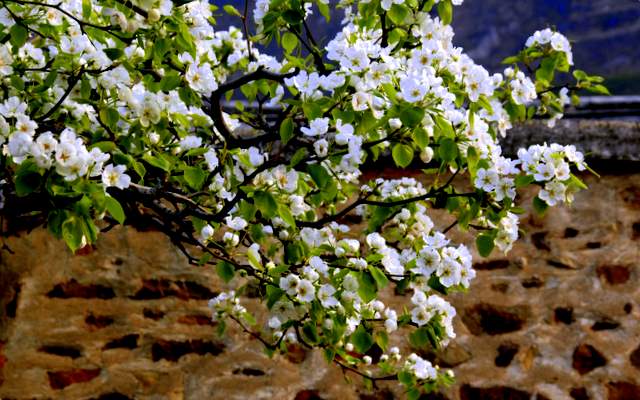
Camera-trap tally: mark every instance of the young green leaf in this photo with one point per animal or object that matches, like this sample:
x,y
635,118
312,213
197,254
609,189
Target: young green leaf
x,y
402,155
115,209
266,203
485,244
225,270
195,177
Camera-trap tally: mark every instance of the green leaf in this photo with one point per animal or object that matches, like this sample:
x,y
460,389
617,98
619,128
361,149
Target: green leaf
x,y
225,270
524,180
398,13
546,70
448,150
421,137
286,130
412,116
485,244
114,53
310,332
292,17
19,35
382,339
286,215
406,378
17,82
298,156
27,178
86,9
378,276
195,177
444,127
361,339
249,318
422,337
599,89
511,60
539,205
273,295
157,162
367,289
115,209
72,232
170,81
580,75
445,11
266,203
289,42
326,13
231,10
402,155
319,175
110,117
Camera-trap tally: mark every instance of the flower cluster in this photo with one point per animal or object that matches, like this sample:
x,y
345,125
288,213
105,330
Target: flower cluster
x,y
147,111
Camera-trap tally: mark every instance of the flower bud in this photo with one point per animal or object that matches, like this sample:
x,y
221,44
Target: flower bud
x,y
426,155
153,16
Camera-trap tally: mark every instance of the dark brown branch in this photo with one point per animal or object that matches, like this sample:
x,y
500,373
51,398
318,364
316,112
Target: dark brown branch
x,y
72,83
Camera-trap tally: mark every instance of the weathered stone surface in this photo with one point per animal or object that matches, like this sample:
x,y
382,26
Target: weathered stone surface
x,y
564,315
137,313
468,392
614,274
623,391
494,319
634,357
506,352
62,379
579,394
586,358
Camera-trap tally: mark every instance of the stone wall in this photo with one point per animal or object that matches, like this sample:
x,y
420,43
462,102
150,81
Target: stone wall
x,y
555,319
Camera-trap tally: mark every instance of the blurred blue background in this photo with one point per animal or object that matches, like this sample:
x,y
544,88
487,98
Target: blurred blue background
x,y
605,33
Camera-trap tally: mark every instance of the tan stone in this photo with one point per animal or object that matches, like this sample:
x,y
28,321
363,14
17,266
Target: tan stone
x,y
136,283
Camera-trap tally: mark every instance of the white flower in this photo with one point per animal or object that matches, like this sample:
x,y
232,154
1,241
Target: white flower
x,y
553,193
115,176
6,60
206,232
391,321
19,146
13,107
211,159
236,223
289,284
256,157
319,265
376,241
231,239
421,368
486,180
412,90
421,315
190,142
317,127
24,124
305,292
391,261
321,147
286,180
201,79
325,295
345,132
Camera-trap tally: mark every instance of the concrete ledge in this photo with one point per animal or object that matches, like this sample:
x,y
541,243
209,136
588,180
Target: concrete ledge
x,y
597,139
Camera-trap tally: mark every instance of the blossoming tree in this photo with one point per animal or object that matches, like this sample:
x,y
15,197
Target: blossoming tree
x,y
143,112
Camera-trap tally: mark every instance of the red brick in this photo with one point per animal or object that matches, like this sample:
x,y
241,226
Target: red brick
x,y
62,379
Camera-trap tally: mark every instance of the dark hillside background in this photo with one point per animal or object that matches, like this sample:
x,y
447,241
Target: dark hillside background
x,y
605,33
